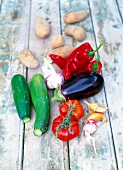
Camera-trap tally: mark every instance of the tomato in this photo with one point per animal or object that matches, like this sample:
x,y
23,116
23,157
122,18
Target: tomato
x,y
78,112
65,133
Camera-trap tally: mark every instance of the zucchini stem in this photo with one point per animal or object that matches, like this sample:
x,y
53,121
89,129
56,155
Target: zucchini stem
x,y
37,132
26,119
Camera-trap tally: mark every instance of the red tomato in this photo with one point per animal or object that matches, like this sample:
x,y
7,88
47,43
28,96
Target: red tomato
x,y
78,111
65,133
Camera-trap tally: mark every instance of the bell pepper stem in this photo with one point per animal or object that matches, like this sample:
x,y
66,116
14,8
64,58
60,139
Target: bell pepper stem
x,y
95,66
90,53
58,96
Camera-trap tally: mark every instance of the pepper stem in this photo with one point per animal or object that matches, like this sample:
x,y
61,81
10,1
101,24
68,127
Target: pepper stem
x,y
95,66
58,96
91,52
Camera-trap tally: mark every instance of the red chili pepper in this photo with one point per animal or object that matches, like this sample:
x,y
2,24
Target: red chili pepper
x,y
93,66
77,60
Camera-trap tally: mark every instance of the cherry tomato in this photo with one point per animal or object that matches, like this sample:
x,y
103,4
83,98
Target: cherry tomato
x,y
66,133
78,111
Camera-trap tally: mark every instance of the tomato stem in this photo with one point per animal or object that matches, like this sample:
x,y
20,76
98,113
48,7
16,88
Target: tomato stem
x,y
66,122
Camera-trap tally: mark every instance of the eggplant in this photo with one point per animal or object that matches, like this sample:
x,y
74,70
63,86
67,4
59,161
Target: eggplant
x,y
79,87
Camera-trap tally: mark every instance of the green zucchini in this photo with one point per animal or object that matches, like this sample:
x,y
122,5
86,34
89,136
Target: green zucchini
x,y
41,102
21,97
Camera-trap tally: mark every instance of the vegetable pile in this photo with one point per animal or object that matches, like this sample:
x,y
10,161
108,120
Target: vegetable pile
x,y
79,78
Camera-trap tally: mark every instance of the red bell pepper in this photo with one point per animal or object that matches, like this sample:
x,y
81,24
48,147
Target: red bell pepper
x,y
76,61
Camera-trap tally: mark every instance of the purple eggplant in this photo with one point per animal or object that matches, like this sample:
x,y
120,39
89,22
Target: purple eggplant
x,y
79,87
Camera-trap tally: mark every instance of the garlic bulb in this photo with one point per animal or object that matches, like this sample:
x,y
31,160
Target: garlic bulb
x,y
46,71
54,80
90,126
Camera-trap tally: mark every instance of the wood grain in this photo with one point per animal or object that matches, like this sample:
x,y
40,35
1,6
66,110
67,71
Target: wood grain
x,y
12,39
43,152
19,148
109,29
81,152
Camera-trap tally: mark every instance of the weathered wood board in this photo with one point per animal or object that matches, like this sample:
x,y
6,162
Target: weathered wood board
x,y
80,147
13,16
110,25
19,148
42,152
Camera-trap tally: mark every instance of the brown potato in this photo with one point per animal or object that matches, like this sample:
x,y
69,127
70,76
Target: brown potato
x,y
42,27
27,59
64,51
73,17
77,32
57,41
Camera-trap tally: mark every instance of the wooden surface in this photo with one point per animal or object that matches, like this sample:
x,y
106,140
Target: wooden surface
x,y
19,148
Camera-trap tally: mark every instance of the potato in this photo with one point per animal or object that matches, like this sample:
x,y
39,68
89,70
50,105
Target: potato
x,y
42,27
57,41
73,17
64,52
77,32
27,59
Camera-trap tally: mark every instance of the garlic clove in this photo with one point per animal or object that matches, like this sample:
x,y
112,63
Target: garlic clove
x,y
46,71
90,126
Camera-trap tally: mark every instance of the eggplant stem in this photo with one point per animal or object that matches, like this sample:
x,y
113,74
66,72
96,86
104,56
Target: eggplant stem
x,y
58,96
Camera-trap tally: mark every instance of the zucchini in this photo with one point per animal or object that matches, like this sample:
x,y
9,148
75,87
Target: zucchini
x,y
41,102
21,97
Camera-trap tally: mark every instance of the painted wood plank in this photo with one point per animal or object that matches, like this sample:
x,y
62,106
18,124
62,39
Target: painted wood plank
x,y
43,152
0,4
109,28
82,155
13,19
120,7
